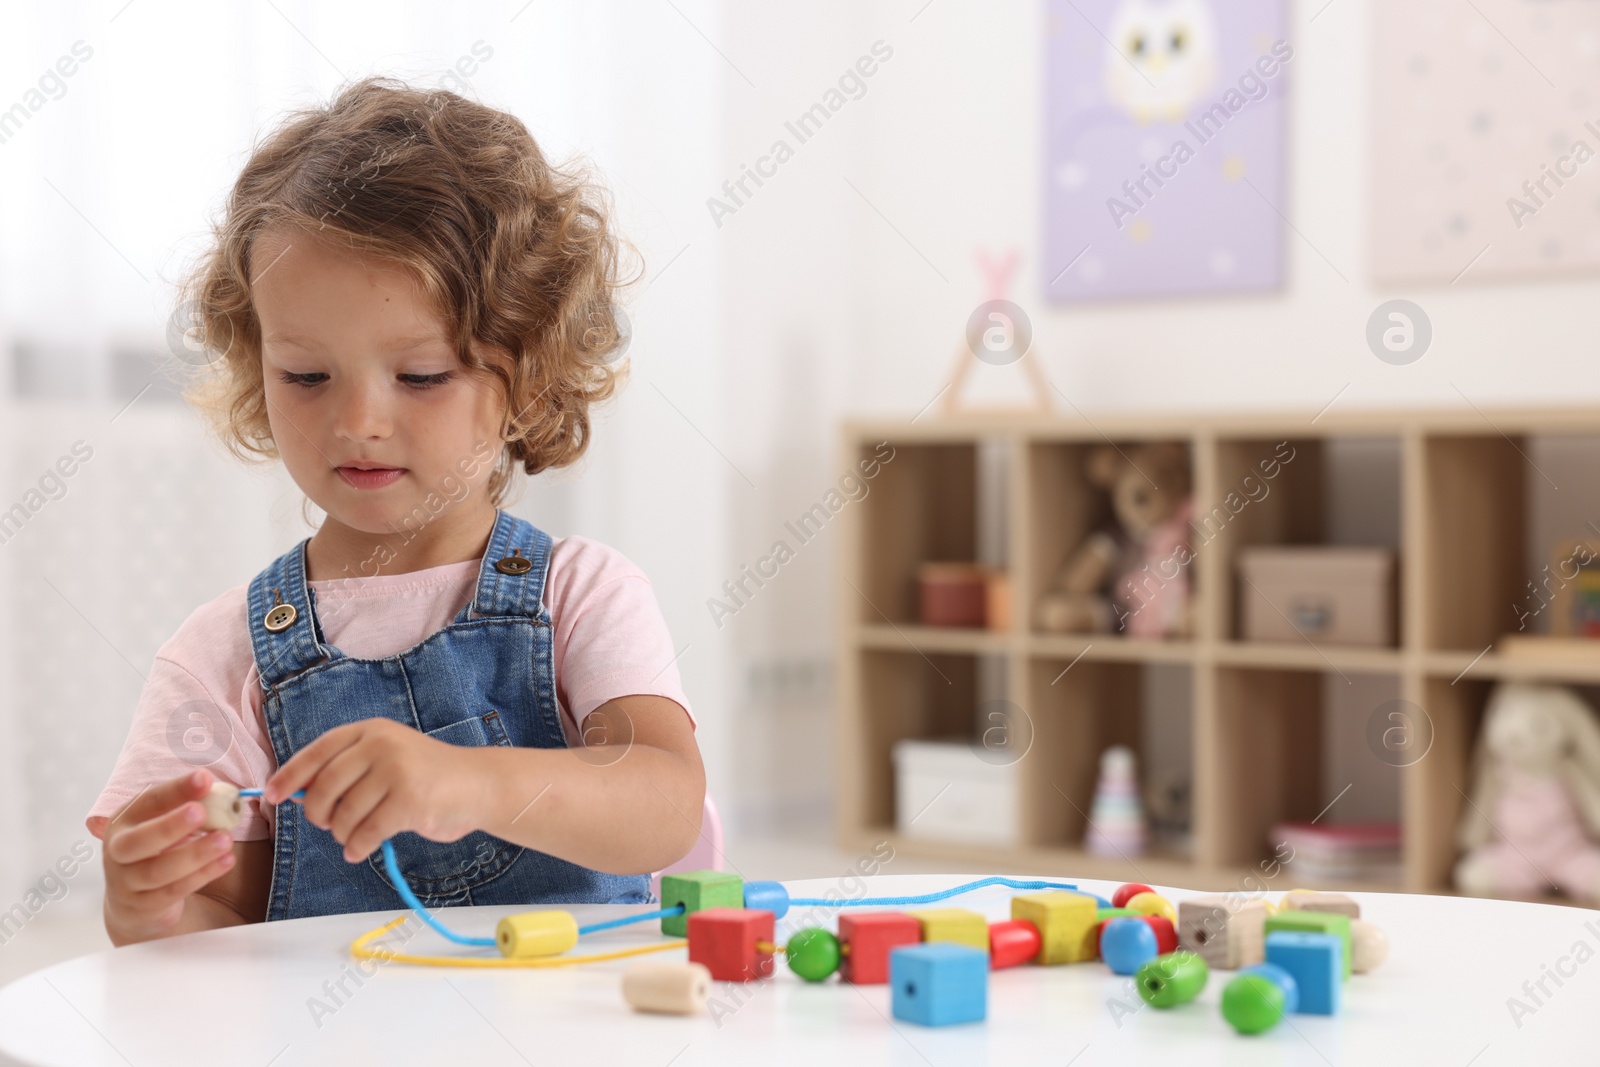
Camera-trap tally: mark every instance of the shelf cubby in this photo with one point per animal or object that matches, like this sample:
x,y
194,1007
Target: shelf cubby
x,y
1268,732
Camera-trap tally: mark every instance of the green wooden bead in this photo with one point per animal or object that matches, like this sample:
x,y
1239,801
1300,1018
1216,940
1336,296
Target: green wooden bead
x,y
813,954
1173,979
1102,914
1252,1003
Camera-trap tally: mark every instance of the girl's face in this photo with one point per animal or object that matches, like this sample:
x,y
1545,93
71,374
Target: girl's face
x,y
369,406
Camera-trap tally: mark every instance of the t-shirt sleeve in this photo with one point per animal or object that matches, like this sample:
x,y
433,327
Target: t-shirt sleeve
x,y
611,639
182,723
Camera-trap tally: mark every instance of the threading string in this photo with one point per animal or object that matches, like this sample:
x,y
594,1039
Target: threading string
x,y
404,889
928,898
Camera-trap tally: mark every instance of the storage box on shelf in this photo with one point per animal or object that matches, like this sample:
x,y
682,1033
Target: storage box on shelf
x,y
1255,706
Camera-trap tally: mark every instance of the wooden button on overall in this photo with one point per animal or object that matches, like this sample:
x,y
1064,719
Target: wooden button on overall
x,y
515,563
280,616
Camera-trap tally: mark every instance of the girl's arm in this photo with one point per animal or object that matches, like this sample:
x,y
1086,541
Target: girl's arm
x,y
627,802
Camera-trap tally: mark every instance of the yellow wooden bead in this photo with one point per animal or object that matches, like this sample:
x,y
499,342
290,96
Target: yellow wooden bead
x,y
954,924
536,933
1153,904
1066,922
1270,904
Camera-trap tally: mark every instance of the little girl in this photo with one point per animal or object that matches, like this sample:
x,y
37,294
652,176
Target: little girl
x,y
406,302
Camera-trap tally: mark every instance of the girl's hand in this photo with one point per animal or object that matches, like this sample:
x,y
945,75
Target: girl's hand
x,y
156,857
369,780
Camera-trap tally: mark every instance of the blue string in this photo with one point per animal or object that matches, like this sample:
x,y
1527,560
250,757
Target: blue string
x,y
676,909
404,889
927,898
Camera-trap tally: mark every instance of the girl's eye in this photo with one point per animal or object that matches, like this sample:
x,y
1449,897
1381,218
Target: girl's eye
x,y
307,380
423,381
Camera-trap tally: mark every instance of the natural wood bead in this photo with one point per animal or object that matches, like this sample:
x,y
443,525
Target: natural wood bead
x,y
1227,931
1337,903
223,807
1369,946
667,987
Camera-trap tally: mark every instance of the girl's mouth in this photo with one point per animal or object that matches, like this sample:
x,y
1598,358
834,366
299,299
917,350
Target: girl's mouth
x,y
375,478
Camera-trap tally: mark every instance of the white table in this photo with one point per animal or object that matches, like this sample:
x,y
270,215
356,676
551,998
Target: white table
x,y
240,996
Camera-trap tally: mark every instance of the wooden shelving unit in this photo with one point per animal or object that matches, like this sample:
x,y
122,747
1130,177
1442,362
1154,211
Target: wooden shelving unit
x,y
1255,709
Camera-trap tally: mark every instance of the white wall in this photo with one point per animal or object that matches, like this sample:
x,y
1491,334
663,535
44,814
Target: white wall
x,y
946,146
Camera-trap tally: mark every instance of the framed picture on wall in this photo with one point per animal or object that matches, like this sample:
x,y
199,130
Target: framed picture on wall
x,y
1165,147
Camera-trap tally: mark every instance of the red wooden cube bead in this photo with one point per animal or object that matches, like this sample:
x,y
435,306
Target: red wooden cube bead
x,y
726,941
866,939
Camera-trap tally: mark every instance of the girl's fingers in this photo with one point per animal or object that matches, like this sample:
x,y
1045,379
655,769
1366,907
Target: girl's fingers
x,y
358,802
143,840
304,765
380,824
326,792
169,867
183,887
161,798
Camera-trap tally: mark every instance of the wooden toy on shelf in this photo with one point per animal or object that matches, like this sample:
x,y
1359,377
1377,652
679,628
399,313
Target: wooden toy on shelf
x,y
1116,819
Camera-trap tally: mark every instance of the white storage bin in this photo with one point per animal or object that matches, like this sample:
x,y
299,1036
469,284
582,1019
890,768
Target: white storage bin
x,y
955,791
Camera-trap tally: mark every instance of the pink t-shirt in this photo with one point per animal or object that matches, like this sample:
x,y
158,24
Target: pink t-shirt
x,y
610,640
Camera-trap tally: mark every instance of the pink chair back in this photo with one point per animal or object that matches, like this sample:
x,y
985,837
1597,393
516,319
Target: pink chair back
x,y
706,855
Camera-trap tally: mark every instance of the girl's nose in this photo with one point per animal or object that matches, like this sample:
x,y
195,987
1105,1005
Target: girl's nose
x,y
364,413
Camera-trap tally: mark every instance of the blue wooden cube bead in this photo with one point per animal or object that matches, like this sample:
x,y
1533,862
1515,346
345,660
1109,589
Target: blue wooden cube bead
x,y
1316,962
939,983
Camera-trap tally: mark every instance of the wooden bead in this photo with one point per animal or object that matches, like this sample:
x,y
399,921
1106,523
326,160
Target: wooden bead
x,y
867,938
955,924
1226,930
1127,892
1252,1003
696,890
1172,978
666,987
812,953
535,933
1127,944
1315,922
1011,943
941,984
1369,946
1309,900
1066,923
1152,904
223,807
729,941
1316,963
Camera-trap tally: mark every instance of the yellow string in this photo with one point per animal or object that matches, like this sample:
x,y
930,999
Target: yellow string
x,y
359,949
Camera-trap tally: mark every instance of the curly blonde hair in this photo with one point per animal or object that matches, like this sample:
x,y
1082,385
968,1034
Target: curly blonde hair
x,y
518,256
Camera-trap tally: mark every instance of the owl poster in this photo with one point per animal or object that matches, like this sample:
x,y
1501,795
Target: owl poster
x,y
1165,146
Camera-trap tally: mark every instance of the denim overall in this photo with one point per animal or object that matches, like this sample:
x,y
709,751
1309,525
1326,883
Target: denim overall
x,y
486,678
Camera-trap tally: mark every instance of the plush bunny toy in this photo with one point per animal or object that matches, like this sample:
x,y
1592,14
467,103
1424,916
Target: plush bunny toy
x,y
1535,811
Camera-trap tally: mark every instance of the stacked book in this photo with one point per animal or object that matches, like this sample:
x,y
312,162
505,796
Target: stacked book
x,y
1318,855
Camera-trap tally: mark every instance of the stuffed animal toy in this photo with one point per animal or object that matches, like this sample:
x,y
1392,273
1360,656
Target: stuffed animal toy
x,y
1535,812
1132,576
